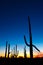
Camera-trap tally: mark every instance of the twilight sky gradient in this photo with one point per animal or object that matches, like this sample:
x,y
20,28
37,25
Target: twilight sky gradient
x,y
14,23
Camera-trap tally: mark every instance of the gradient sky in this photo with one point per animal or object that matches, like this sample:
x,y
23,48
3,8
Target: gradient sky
x,y
14,23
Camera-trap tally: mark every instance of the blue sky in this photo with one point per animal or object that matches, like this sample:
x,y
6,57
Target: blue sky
x,y
14,22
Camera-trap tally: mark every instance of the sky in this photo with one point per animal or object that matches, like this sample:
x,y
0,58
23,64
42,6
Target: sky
x,y
14,23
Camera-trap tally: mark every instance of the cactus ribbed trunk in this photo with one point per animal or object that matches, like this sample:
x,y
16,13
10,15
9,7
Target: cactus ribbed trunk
x,y
30,45
31,48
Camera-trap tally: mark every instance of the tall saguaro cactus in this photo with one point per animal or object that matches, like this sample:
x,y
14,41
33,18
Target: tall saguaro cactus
x,y
31,48
30,45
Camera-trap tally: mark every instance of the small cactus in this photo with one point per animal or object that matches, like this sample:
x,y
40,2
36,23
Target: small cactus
x,y
25,55
16,52
6,49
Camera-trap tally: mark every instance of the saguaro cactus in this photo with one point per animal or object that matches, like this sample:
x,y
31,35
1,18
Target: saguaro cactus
x,y
30,45
16,52
6,49
31,48
25,55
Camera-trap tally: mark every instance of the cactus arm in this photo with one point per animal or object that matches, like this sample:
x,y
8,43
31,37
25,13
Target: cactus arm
x,y
36,48
26,41
29,45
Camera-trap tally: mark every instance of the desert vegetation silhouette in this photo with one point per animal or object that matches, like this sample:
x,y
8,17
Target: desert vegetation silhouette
x,y
14,53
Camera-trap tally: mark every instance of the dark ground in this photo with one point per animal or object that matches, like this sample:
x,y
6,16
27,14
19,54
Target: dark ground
x,y
14,61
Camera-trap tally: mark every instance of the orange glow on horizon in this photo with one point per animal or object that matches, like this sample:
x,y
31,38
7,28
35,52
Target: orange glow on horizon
x,y
35,55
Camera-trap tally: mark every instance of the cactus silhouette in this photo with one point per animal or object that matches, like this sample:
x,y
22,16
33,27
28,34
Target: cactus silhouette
x,y
31,48
16,52
30,45
6,49
25,55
